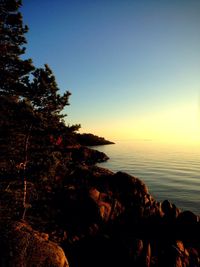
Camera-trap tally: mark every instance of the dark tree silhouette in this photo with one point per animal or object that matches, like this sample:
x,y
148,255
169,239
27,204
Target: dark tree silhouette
x,y
31,108
45,97
14,71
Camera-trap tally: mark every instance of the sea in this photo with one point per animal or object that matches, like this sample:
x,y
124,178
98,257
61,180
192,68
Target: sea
x,y
170,171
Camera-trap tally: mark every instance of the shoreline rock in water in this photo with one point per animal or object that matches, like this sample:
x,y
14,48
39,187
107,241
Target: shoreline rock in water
x,y
100,218
127,226
85,155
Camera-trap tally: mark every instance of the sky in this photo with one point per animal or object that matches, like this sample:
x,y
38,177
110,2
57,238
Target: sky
x,y
132,66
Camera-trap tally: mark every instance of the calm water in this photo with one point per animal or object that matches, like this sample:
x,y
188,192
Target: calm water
x,y
170,172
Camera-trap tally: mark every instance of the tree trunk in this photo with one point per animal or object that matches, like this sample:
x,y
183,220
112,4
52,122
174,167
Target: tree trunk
x,y
26,145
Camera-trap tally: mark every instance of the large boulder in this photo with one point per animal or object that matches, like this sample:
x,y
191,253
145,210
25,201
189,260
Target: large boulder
x,y
109,207
21,246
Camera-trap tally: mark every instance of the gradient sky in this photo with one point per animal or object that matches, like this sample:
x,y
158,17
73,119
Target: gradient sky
x,y
133,67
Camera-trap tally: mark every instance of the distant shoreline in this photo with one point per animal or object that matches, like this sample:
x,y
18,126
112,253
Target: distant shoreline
x,y
87,139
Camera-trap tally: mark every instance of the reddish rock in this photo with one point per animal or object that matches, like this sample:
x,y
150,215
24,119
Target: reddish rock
x,y
21,246
109,207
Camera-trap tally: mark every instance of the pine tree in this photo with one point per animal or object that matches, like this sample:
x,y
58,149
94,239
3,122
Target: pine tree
x,y
48,106
31,107
41,94
14,79
14,70
45,96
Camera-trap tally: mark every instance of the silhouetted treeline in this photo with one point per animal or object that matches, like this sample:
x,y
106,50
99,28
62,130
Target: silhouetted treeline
x,y
34,133
88,139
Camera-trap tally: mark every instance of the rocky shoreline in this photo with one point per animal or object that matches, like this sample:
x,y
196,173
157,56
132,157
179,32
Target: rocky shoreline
x,y
94,217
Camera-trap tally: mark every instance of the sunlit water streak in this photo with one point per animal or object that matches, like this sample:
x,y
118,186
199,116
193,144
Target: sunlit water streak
x,y
170,172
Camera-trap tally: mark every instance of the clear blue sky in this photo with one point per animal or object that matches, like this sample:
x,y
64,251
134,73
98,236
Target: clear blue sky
x,y
133,67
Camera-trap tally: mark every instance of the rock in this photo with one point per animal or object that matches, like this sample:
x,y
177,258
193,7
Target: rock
x,y
86,155
21,246
194,257
137,249
182,258
94,194
166,207
109,207
188,226
170,211
82,175
129,190
180,246
187,217
98,251
148,255
178,262
100,172
78,210
126,181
